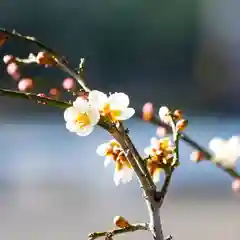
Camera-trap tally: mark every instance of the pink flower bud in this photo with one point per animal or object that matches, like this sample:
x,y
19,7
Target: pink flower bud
x,y
147,111
7,59
69,84
12,69
25,84
236,185
54,92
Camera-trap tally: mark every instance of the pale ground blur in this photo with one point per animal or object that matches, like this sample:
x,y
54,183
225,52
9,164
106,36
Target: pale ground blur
x,y
54,187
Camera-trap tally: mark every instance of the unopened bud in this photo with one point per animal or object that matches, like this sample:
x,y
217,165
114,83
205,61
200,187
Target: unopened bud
x,y
69,84
25,84
121,222
13,71
178,114
147,111
181,124
54,92
43,58
7,59
197,156
236,185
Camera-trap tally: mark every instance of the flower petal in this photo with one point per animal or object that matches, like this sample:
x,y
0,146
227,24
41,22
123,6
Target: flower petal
x,y
85,131
118,101
107,161
70,113
147,150
216,144
117,177
126,114
156,175
97,99
234,146
155,143
94,115
127,175
163,112
81,104
71,126
101,150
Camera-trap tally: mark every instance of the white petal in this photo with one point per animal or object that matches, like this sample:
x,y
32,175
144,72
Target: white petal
x,y
107,161
101,150
97,99
118,101
117,177
127,175
156,176
126,114
216,144
85,131
234,146
70,114
94,115
147,150
81,104
71,126
155,143
163,111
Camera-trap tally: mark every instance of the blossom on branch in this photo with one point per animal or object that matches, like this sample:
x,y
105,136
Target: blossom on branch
x,y
81,117
113,152
115,106
225,152
160,154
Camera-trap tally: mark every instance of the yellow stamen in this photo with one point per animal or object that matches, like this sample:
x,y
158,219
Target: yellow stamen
x,y
82,119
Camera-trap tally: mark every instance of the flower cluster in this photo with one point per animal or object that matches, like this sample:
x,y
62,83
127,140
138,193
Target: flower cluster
x,y
160,154
113,152
86,111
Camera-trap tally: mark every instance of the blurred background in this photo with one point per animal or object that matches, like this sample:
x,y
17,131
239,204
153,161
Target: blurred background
x,y
184,54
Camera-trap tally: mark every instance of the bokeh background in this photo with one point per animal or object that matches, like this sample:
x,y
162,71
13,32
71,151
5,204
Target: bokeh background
x,y
184,54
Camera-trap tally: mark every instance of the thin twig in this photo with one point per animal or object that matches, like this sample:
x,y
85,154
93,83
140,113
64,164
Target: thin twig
x,y
183,136
59,59
131,228
34,97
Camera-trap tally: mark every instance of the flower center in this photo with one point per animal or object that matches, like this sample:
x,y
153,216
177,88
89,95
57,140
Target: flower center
x,y
82,120
111,113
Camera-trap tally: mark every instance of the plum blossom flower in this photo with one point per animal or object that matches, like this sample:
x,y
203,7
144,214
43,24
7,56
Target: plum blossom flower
x,y
164,114
113,152
225,152
115,106
160,154
81,117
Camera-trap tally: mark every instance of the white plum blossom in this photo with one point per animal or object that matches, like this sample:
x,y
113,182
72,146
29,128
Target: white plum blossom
x,y
81,117
115,106
113,153
225,152
164,114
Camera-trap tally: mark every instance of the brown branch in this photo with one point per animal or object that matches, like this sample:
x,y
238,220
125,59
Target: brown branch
x,y
131,228
62,63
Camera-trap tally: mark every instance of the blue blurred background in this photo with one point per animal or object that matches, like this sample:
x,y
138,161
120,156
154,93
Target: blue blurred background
x,y
180,53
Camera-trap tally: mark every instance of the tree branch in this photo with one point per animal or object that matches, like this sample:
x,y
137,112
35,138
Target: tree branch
x,y
34,97
183,136
131,228
62,63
